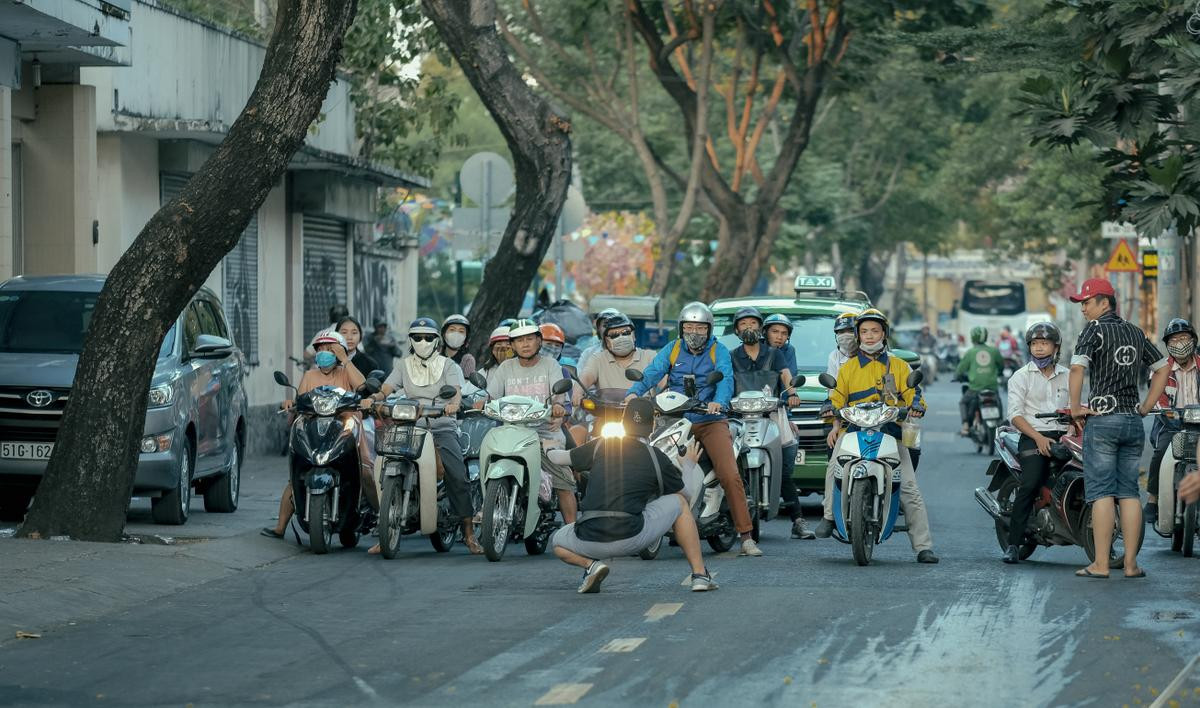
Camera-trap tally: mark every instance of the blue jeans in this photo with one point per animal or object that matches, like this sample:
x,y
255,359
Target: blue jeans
x,y
1112,448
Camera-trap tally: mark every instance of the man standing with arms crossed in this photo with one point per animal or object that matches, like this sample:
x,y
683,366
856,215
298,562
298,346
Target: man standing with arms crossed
x,y
1112,352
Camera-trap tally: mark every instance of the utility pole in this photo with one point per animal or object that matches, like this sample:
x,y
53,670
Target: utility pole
x,y
1168,245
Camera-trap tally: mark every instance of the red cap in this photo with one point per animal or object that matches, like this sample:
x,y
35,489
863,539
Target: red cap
x,y
1093,287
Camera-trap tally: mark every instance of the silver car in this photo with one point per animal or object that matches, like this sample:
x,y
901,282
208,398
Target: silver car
x,y
195,432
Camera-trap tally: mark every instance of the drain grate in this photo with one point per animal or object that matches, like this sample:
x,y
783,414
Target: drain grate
x,y
1171,615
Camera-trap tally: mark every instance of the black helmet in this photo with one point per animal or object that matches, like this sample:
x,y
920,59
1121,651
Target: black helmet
x,y
616,321
1176,326
1044,330
745,312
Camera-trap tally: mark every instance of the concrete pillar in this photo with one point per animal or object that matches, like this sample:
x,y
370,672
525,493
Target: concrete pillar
x,y
6,184
59,183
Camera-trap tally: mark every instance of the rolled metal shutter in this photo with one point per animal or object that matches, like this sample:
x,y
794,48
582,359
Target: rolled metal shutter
x,y
240,298
170,184
325,270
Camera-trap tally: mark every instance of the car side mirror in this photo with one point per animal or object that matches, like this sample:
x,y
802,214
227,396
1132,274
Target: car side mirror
x,y
209,346
827,381
447,392
282,379
477,380
714,377
634,375
915,378
562,386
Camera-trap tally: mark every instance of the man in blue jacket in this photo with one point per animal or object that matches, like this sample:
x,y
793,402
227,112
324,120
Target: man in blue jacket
x,y
687,362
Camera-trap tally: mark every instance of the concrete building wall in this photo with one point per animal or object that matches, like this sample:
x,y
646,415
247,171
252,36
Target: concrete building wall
x,y
128,192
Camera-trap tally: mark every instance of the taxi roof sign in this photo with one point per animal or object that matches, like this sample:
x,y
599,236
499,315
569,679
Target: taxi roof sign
x,y
810,283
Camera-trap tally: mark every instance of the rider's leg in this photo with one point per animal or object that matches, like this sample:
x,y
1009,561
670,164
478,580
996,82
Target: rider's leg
x,y
1034,469
787,486
458,487
287,507
914,506
572,558
718,443
688,537
1155,464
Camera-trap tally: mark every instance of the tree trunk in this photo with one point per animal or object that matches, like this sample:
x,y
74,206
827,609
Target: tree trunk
x,y
85,491
901,281
538,136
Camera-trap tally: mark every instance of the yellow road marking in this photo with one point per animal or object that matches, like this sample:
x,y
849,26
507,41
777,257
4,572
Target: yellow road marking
x,y
564,694
662,609
626,644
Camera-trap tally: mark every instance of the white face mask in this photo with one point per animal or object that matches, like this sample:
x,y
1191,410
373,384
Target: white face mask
x,y
455,340
424,349
846,341
871,348
621,346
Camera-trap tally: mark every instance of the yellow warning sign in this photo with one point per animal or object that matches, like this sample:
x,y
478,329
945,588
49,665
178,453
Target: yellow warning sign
x,y
1122,259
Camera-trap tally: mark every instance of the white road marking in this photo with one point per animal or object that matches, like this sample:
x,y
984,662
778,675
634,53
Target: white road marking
x,y
1172,687
626,644
662,609
366,689
563,694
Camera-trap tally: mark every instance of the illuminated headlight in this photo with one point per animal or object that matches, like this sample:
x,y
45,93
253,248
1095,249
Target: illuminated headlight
x,y
870,417
325,405
404,411
753,405
612,429
156,443
1191,414
161,395
513,412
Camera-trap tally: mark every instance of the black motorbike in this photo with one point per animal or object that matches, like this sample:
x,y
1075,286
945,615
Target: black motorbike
x,y
986,420
1183,523
324,462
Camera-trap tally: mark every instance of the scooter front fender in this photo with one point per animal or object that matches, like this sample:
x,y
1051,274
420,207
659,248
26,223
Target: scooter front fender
x,y
320,481
507,467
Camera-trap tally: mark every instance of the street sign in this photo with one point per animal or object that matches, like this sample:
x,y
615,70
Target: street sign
x,y
1118,229
1123,259
474,230
486,179
1150,264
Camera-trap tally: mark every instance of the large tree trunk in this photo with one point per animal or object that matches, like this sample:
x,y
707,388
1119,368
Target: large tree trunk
x,y
538,136
86,488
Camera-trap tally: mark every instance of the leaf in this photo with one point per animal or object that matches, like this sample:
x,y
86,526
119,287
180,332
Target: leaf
x,y
1166,175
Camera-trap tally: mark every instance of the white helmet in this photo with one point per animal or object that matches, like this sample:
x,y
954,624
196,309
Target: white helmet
x,y
329,336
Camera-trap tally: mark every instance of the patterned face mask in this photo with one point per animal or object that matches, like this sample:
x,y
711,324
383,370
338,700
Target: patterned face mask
x,y
695,341
1182,351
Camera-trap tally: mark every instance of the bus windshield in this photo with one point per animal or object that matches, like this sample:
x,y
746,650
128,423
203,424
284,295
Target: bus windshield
x,y
984,298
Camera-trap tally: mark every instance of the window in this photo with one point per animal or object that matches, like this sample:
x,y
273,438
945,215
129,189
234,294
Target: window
x,y
211,321
984,298
191,328
42,321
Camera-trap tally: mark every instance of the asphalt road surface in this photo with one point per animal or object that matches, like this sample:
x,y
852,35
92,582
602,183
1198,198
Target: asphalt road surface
x,y
801,626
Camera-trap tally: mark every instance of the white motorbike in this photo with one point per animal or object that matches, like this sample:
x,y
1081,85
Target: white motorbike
x,y
760,453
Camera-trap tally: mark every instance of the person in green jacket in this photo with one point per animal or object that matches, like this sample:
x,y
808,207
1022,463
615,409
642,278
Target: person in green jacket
x,y
980,367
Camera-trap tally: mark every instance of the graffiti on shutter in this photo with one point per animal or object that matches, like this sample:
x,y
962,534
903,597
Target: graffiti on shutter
x,y
324,270
241,292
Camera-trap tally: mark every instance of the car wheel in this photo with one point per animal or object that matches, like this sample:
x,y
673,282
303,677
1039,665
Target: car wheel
x,y
173,506
222,495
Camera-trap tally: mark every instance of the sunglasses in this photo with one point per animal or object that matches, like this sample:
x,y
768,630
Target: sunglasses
x,y
424,337
621,333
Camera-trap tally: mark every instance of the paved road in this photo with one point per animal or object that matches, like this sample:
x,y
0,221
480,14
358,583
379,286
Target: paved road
x,y
802,625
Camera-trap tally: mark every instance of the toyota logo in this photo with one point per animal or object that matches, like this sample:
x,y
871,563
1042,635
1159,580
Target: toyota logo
x,y
39,398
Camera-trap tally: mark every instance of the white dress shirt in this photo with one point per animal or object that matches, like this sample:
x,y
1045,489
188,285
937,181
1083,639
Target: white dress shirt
x,y
836,359
1031,392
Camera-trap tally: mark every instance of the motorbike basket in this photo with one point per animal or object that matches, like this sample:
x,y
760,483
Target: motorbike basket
x,y
400,441
1183,445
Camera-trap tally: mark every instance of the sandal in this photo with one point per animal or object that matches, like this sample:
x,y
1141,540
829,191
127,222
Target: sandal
x,y
270,532
1087,573
1141,573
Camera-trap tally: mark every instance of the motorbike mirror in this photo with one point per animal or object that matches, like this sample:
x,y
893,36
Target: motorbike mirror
x,y
562,386
634,375
477,380
447,392
799,381
282,379
377,374
371,385
827,381
915,378
714,377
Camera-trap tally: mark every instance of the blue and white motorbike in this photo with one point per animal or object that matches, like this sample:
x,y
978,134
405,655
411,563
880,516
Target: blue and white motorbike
x,y
866,484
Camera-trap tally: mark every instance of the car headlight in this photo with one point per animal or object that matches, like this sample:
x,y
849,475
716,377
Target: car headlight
x,y
870,416
325,405
404,411
1191,414
513,412
161,395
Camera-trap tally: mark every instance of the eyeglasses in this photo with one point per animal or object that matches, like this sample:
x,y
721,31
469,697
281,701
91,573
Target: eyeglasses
x,y
621,333
423,337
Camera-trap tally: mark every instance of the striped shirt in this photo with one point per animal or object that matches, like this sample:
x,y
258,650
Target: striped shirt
x,y
1113,351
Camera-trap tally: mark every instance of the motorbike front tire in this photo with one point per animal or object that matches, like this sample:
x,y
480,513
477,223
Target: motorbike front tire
x,y
536,544
862,537
389,518
320,528
753,491
1005,497
1189,530
496,526
723,541
443,539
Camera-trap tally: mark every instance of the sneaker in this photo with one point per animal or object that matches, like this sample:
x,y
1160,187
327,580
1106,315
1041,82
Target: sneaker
x,y
596,573
800,529
927,556
966,430
1012,555
750,548
824,529
1150,512
703,583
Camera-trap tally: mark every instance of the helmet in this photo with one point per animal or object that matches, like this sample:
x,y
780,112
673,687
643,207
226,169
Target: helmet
x,y
744,312
329,336
1176,326
552,333
600,317
424,325
696,312
522,327
844,322
978,335
1044,330
507,322
873,315
500,334
615,322
456,319
778,319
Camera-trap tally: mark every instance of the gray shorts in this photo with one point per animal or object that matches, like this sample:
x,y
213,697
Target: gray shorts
x,y
657,519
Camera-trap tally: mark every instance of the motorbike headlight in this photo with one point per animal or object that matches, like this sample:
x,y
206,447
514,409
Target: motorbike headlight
x,y
513,412
742,404
869,417
161,395
612,429
669,444
325,405
404,411
1191,415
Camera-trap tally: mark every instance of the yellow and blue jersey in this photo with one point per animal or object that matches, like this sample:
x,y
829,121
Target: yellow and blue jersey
x,y
861,379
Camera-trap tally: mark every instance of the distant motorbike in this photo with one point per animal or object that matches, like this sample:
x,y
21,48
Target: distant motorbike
x,y
1177,520
987,419
929,363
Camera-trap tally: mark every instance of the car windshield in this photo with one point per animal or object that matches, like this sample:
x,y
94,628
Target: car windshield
x,y
45,321
812,338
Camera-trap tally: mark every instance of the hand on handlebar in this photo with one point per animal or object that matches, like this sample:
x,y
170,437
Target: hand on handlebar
x,y
833,436
1043,445
451,409
1189,488
713,408
286,405
557,410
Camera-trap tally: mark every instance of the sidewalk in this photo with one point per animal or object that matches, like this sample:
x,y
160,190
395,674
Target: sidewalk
x,y
49,584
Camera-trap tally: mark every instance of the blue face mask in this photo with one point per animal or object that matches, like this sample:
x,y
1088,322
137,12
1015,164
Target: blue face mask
x,y
325,359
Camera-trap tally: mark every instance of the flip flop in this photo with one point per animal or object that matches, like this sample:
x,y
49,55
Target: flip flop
x,y
1140,574
1085,573
271,533
375,550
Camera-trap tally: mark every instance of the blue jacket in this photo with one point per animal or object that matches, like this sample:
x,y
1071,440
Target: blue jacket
x,y
789,356
699,365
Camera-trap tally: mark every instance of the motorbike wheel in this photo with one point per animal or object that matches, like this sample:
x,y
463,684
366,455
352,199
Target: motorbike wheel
x,y
1005,497
753,491
496,520
1189,530
320,528
536,544
650,552
389,517
1117,554
447,532
348,537
724,541
862,535
1177,539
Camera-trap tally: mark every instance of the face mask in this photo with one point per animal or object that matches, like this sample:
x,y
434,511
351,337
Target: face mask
x,y
751,336
1181,351
871,348
455,340
1042,362
325,359
424,349
551,350
621,346
695,341
846,341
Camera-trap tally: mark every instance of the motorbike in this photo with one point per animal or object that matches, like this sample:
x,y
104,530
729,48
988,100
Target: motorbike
x,y
473,426
929,362
1178,520
412,498
324,464
510,458
760,457
947,354
987,419
1060,516
866,481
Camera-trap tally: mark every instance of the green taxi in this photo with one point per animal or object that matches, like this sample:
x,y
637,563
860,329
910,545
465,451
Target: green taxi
x,y
812,310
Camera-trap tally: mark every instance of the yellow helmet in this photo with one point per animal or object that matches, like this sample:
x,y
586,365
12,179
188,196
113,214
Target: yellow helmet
x,y
844,322
873,315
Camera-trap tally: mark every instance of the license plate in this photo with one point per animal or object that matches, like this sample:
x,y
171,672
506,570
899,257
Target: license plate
x,y
991,413
801,455
26,450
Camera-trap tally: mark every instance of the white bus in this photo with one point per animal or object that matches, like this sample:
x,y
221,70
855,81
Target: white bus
x,y
993,304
